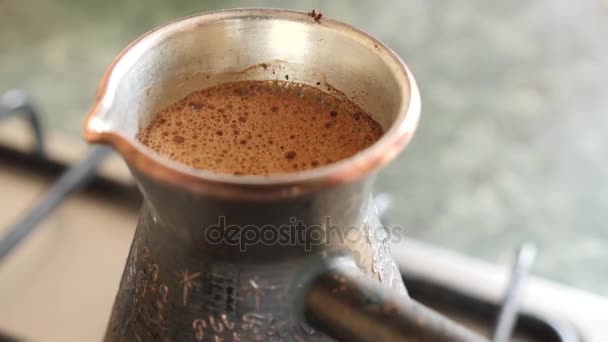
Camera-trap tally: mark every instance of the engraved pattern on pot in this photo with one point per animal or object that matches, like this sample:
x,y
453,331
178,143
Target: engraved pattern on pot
x,y
151,297
188,282
382,261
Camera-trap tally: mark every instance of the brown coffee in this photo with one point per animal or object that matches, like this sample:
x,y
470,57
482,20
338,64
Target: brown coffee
x,y
260,128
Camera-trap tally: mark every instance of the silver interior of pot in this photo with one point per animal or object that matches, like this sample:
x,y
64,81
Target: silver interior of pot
x,y
251,44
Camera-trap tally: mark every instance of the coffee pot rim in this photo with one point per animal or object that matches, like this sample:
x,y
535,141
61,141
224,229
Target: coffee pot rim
x,y
262,188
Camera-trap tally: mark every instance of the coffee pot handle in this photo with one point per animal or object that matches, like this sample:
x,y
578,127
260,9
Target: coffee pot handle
x,y
347,305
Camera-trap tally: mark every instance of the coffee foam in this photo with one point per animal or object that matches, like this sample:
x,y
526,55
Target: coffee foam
x,y
260,128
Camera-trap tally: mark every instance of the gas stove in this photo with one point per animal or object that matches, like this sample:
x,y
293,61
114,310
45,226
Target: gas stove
x,y
62,253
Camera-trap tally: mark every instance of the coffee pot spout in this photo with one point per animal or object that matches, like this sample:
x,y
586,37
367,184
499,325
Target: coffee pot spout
x,y
115,116
98,123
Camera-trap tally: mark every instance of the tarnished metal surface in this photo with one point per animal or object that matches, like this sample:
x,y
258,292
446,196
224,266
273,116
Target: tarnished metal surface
x,y
187,278
178,285
350,307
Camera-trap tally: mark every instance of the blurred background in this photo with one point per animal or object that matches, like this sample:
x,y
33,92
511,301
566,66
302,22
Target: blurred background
x,y
513,140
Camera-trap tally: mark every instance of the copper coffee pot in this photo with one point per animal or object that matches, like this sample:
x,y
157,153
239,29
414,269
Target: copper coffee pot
x,y
186,279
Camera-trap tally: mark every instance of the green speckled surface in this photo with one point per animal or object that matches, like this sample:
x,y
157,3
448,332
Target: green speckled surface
x,y
513,142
